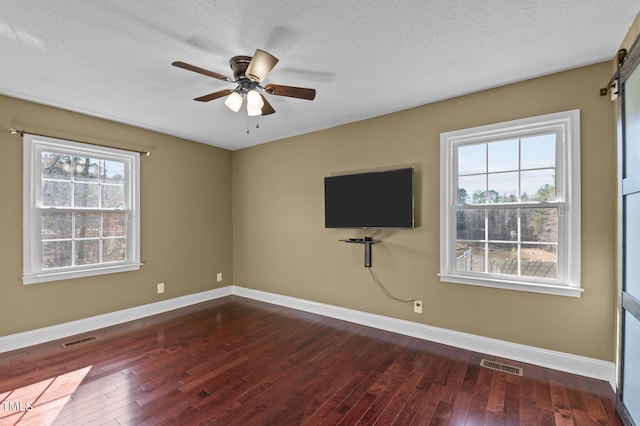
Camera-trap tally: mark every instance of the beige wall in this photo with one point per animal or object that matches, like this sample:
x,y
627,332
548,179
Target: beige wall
x,y
281,246
185,221
279,243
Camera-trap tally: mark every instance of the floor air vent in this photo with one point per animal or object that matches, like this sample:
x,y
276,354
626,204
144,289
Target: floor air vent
x,y
501,367
79,341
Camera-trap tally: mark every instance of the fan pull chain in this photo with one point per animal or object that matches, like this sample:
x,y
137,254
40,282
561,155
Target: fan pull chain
x,y
257,124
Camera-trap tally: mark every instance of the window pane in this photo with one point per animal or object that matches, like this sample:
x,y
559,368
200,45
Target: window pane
x,y
503,224
113,197
85,195
472,159
539,225
113,171
463,196
632,125
470,257
114,249
56,254
503,188
631,384
85,169
87,252
55,225
473,188
56,194
55,166
470,225
632,243
538,185
539,260
114,225
503,259
503,156
538,151
87,225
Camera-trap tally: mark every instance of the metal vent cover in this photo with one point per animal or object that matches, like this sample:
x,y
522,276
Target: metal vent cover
x,y
79,341
498,366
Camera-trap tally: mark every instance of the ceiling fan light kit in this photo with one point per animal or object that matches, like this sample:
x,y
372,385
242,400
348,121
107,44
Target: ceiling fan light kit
x,y
254,100
248,73
234,101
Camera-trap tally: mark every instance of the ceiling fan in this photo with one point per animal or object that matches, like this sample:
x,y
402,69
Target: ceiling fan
x,y
248,74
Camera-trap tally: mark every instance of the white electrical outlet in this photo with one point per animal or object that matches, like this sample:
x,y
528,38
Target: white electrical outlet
x,y
219,277
160,288
417,306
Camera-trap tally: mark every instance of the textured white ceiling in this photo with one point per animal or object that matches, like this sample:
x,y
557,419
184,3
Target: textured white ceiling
x,y
112,59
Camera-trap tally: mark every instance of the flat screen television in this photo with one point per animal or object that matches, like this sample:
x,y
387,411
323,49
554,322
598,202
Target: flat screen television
x,y
379,200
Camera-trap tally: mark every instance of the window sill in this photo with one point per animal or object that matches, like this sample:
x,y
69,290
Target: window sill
x,y
64,275
558,290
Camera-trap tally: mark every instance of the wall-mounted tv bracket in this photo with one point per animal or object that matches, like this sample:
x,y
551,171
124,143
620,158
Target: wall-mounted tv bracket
x,y
368,242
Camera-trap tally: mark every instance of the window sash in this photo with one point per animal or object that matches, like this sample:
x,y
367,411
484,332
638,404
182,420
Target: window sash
x,y
518,243
73,238
565,125
35,268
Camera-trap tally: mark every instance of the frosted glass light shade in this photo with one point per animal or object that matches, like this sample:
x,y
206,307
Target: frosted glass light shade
x,y
234,101
261,64
254,100
252,112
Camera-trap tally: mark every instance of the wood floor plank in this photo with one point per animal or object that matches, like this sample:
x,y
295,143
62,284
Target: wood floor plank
x,y
561,405
235,361
478,408
407,382
433,397
337,395
442,414
495,412
385,390
512,403
460,409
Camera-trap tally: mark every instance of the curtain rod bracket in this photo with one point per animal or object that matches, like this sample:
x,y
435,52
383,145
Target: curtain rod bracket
x,y
620,57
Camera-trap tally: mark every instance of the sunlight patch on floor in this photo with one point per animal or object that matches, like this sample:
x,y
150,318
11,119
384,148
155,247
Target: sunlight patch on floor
x,y
40,403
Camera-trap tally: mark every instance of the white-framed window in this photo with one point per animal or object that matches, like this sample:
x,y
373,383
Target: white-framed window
x,y
510,205
80,210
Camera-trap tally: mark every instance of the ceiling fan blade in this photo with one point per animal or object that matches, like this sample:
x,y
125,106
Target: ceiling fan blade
x,y
261,64
199,70
267,108
290,91
214,95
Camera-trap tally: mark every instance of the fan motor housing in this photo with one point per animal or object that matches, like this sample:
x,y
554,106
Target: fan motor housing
x,y
239,66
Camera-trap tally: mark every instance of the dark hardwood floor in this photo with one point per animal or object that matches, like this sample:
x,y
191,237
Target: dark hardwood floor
x,y
235,361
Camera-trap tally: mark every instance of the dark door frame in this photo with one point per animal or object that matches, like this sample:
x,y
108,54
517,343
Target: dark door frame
x,y
627,65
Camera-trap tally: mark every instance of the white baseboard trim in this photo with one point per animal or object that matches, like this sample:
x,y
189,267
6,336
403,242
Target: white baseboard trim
x,y
583,366
575,364
72,328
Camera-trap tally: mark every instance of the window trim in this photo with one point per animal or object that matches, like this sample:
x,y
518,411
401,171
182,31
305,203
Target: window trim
x,y
32,232
567,124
